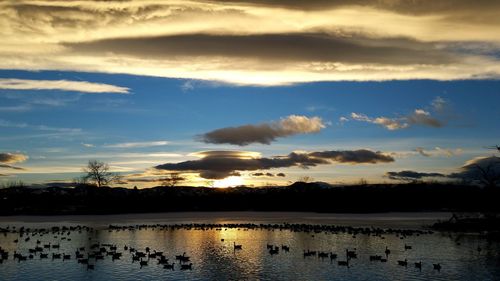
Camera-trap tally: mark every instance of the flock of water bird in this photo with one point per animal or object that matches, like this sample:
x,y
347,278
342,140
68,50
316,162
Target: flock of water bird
x,y
86,256
45,243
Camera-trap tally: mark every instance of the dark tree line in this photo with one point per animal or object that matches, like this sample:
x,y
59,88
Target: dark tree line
x,y
300,196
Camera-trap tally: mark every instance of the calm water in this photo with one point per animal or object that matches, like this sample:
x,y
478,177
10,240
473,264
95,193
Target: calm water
x,y
214,259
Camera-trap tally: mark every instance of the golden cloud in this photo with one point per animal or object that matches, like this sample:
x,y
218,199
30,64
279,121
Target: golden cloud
x,y
265,133
255,42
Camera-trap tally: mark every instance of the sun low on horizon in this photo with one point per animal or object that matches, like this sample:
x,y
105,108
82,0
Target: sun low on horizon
x,y
231,181
253,93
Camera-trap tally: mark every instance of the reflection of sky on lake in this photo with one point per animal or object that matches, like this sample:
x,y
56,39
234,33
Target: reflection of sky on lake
x,y
214,259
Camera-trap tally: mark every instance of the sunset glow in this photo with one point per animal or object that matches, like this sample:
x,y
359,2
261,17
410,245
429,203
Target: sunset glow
x,y
231,181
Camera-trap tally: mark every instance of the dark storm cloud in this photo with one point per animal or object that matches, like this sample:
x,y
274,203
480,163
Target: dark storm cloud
x,y
411,175
264,133
221,164
277,48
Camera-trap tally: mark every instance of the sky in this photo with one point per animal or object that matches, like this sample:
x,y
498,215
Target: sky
x,y
248,92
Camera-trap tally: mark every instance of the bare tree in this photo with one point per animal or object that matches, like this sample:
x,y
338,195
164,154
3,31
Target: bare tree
x,y
98,173
172,179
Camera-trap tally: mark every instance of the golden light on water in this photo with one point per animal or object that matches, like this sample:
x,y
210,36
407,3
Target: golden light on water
x,y
229,182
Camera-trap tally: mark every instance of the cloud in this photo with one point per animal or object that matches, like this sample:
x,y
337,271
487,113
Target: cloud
x,y
438,151
262,45
41,99
412,175
389,123
272,48
422,117
88,145
343,119
313,108
264,133
11,167
15,108
112,155
269,175
61,85
354,156
154,180
7,157
60,130
485,170
420,7
422,152
448,152
439,104
137,144
417,117
221,164
187,86
144,180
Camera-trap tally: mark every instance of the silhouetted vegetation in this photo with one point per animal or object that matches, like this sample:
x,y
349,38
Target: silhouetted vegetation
x,y
172,179
97,173
300,196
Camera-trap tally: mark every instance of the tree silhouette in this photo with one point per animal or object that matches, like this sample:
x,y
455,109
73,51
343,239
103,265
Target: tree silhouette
x,y
98,173
172,179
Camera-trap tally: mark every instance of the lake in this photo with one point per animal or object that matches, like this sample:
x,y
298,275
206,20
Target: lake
x,y
213,256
